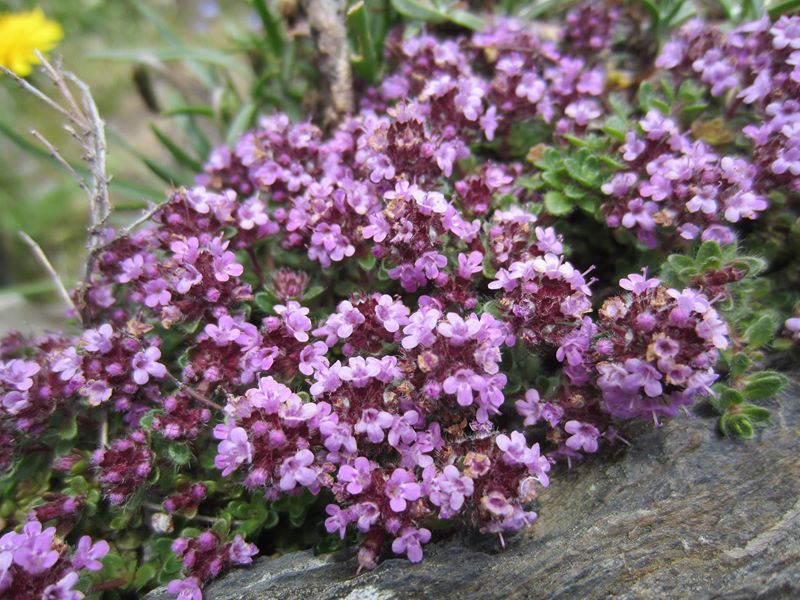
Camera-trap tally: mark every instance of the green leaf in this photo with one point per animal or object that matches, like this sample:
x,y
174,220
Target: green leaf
x,y
782,8
179,454
728,397
557,204
426,11
178,53
418,9
552,179
270,520
241,122
680,262
166,175
765,384
179,154
652,9
264,302
368,58
203,111
736,425
727,8
760,332
708,249
68,429
170,566
550,160
466,19
757,414
314,291
79,485
616,127
645,95
143,575
739,364
367,262
272,26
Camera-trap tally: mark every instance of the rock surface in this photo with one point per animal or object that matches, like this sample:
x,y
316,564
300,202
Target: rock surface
x,y
682,514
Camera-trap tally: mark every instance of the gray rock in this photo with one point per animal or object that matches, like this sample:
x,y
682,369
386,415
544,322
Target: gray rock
x,y
682,514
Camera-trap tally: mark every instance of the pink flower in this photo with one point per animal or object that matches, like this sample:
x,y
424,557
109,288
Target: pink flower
x,y
295,319
457,330
584,436
469,264
88,555
240,552
185,589
296,471
145,365
234,449
98,340
410,543
638,284
402,486
391,313
419,331
358,476
462,384
372,423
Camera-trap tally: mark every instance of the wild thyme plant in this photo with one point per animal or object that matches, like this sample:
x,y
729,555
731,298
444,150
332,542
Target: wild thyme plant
x,y
416,318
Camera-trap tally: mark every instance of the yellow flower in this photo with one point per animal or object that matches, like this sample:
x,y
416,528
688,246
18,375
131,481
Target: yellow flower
x,y
21,34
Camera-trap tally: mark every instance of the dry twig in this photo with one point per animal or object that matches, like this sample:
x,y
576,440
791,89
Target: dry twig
x,y
41,257
86,126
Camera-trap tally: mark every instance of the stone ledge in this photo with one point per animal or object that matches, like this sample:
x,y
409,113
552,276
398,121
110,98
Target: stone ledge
x,y
682,514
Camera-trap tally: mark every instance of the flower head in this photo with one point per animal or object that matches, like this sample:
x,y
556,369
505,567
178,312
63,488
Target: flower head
x,y
21,34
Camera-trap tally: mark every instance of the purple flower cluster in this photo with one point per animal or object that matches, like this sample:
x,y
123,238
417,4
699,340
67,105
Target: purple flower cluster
x,y
673,183
36,563
204,557
590,27
370,412
656,348
760,63
408,399
123,467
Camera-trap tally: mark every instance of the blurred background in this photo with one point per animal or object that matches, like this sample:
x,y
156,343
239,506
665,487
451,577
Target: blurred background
x,y
171,69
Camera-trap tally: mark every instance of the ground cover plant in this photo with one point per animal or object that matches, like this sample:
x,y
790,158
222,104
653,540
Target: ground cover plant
x,y
510,244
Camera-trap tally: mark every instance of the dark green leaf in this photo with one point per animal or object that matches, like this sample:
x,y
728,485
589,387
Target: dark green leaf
x,y
557,204
264,302
739,364
418,9
143,575
180,155
736,426
68,428
764,385
760,332
708,249
466,19
782,8
729,397
757,414
368,58
367,262
313,292
179,454
178,53
241,122
272,26
203,111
